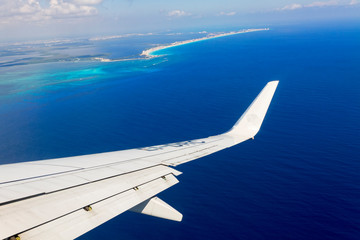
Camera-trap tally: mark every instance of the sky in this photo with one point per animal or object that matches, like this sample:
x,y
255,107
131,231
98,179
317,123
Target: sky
x,y
46,19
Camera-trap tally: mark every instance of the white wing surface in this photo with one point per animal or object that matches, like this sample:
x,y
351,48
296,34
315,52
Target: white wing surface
x,y
66,197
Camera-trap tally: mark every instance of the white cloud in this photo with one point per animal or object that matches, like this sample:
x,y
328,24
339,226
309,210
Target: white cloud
x,y
292,6
177,13
319,4
227,13
30,7
323,4
60,8
35,10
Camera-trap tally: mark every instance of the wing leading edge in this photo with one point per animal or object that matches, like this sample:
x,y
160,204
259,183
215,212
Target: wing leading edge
x,y
52,199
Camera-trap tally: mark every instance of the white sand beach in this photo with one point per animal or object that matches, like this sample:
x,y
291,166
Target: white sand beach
x,y
149,52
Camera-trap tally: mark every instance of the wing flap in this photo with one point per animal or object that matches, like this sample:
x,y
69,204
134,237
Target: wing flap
x,y
20,216
42,185
80,221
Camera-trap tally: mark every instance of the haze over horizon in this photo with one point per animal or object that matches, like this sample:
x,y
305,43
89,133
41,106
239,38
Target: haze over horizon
x,y
23,20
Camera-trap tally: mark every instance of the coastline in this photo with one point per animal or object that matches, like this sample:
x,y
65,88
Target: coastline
x,y
149,52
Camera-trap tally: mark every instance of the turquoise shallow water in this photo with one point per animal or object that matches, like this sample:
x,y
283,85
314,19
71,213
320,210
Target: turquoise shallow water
x,y
297,180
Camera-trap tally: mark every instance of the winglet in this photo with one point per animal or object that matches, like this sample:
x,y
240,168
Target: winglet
x,y
250,122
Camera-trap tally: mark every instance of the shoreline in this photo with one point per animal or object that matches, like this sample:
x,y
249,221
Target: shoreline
x,y
149,52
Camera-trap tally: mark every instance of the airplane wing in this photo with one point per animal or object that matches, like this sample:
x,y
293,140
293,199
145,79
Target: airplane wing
x,y
66,197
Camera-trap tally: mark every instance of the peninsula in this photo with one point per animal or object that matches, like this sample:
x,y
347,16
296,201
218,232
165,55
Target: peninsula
x,y
149,53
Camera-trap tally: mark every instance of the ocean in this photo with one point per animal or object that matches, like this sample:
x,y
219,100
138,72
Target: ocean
x,y
299,178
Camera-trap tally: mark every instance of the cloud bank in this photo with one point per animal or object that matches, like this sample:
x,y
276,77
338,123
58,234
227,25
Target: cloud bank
x,y
34,10
318,4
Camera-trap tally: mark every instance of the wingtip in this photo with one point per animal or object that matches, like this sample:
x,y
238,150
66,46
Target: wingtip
x,y
274,82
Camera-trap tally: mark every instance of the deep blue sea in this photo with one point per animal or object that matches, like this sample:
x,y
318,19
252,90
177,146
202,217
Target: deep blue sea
x,y
299,178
